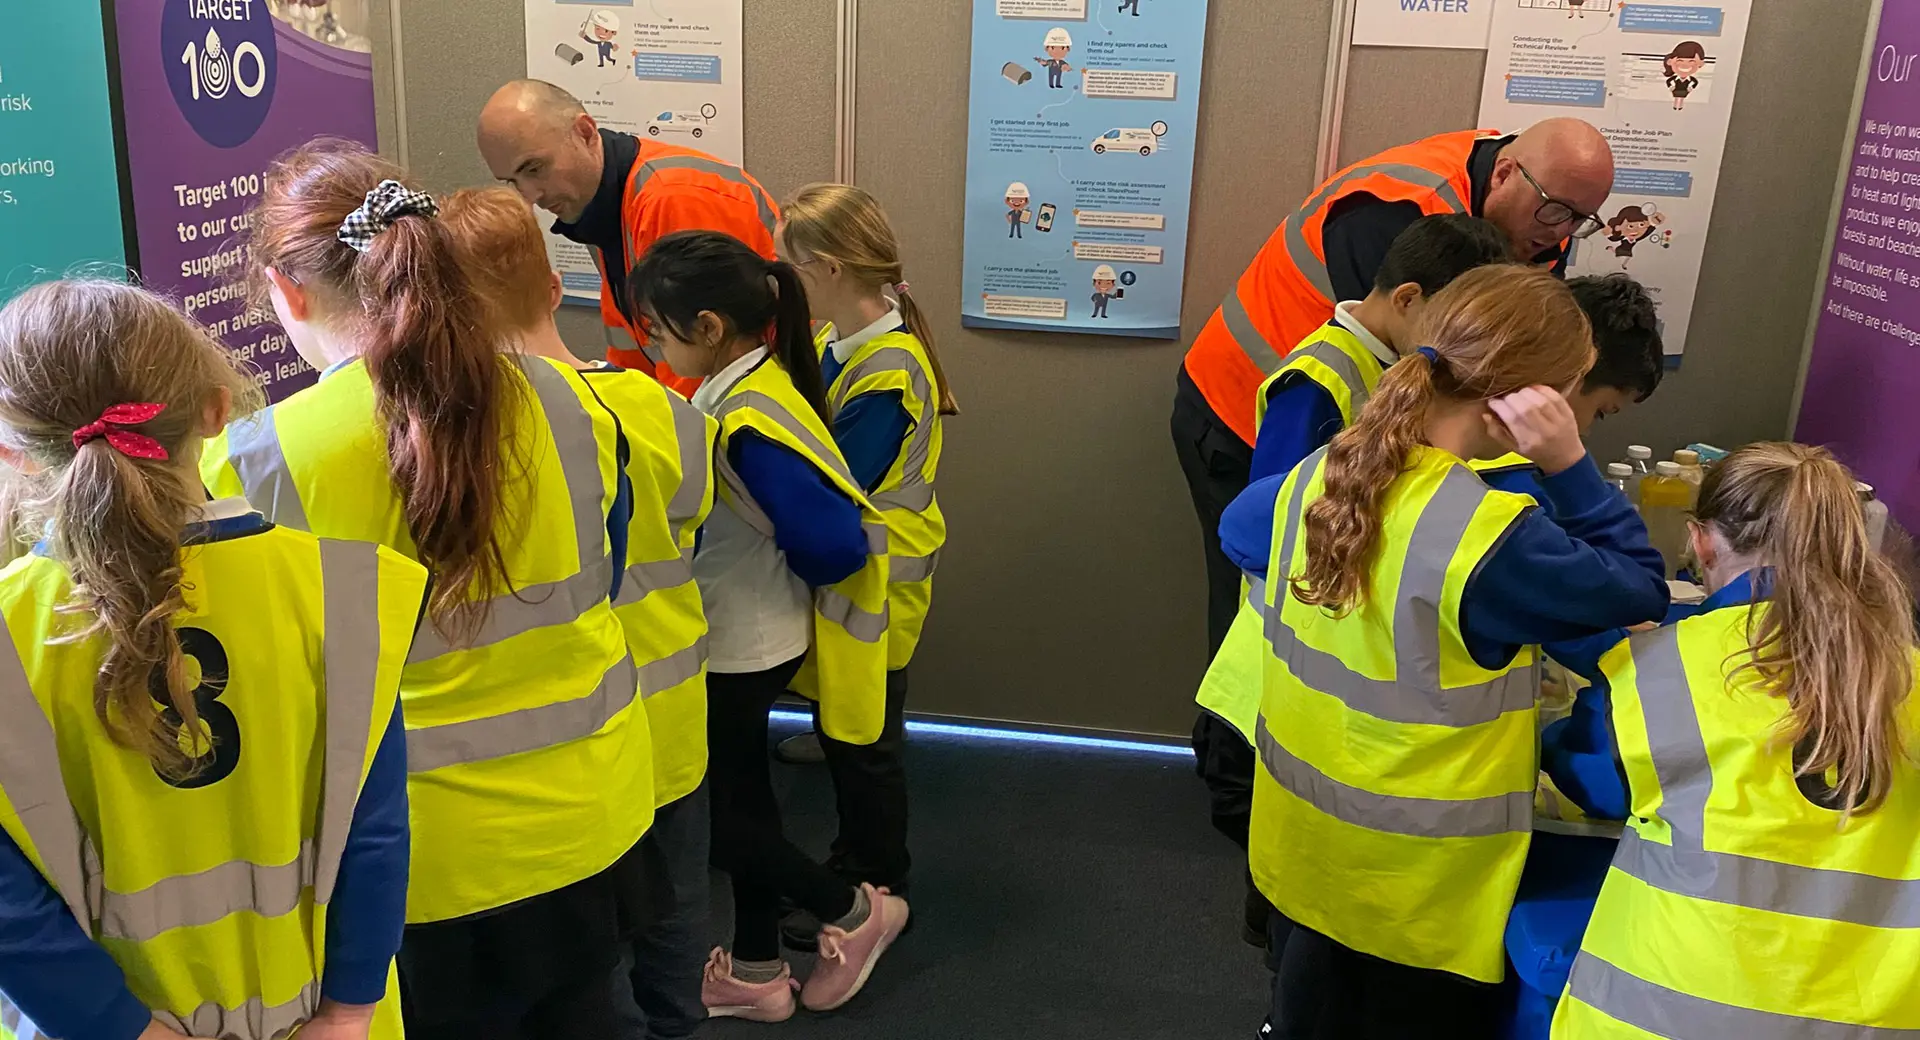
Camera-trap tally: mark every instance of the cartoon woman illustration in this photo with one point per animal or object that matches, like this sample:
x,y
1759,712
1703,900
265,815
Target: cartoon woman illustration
x,y
1629,227
1577,7
1683,65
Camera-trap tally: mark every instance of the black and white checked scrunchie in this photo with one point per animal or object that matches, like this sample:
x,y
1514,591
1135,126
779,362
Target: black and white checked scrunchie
x,y
385,204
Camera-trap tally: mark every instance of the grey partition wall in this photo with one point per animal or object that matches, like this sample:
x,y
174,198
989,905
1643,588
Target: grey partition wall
x,y
1071,590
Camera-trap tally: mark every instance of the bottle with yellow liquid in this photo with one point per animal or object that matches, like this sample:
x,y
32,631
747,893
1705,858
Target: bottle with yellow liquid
x,y
1666,499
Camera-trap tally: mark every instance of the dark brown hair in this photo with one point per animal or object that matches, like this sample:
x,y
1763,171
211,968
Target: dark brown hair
x,y
68,351
1496,329
1627,213
441,386
1836,639
1684,49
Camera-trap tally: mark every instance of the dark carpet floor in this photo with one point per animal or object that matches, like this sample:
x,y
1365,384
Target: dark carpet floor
x,y
1059,892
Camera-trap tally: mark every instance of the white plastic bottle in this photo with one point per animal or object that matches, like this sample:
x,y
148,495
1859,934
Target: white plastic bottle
x,y
1640,461
1618,474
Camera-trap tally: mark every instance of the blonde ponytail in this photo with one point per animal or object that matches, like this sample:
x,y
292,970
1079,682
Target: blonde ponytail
x,y
1837,637
68,352
844,225
1494,330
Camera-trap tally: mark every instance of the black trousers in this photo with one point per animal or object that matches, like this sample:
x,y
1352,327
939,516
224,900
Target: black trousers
x,y
870,791
1326,991
748,842
533,970
1216,463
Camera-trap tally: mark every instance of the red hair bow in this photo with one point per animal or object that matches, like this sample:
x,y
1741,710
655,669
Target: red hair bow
x,y
132,445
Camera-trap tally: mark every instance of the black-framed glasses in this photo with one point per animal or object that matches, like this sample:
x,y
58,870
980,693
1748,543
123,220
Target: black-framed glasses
x,y
1552,211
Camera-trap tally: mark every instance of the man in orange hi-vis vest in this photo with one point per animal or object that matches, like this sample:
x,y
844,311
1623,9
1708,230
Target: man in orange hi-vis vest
x,y
1541,188
617,194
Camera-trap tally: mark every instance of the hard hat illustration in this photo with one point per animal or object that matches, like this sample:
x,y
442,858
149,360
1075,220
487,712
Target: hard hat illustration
x,y
607,20
1017,190
1104,273
1057,37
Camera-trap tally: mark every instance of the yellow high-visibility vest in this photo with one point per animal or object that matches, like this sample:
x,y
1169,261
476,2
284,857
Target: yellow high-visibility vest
x,y
916,529
1395,804
529,768
1335,359
846,668
670,467
211,891
1736,906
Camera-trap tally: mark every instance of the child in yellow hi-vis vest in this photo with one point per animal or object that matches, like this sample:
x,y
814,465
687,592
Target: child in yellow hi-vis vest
x,y
793,571
203,811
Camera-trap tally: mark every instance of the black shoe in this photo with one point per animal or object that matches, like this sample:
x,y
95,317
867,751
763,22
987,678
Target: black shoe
x,y
801,749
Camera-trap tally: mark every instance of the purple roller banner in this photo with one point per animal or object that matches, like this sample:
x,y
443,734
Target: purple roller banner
x,y
1862,395
212,91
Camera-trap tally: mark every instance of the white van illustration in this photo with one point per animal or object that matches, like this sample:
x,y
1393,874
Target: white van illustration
x,y
694,123
1123,140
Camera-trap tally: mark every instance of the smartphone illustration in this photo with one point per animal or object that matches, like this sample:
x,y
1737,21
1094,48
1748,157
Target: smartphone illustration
x,y
1045,222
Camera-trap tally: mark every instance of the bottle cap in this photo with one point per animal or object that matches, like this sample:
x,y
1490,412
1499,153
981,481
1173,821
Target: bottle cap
x,y
1667,469
1863,489
1639,451
1687,458
1619,469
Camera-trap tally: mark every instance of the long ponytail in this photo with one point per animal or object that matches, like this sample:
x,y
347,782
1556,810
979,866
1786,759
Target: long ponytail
x,y
1495,330
793,343
1837,637
845,225
69,351
442,391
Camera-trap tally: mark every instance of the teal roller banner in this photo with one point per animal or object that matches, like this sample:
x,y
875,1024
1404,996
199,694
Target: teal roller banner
x,y
59,186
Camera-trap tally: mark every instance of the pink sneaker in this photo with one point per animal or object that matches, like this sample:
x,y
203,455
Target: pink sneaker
x,y
847,958
728,997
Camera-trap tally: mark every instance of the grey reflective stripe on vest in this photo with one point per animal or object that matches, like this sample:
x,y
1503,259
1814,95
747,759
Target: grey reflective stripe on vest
x,y
673,669
722,170
904,570
1300,251
915,499
913,464
1256,593
823,453
696,462
1414,695
1394,814
350,587
252,1020
1666,1012
554,602
1233,314
1686,867
866,626
529,729
30,775
253,449
1343,367
644,579
189,900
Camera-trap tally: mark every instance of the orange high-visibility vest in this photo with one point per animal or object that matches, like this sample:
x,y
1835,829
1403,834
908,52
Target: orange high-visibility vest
x,y
674,189
1286,293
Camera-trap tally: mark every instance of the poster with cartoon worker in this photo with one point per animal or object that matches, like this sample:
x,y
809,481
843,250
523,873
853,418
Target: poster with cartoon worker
x,y
1018,198
1105,288
1632,226
1057,44
1683,65
602,30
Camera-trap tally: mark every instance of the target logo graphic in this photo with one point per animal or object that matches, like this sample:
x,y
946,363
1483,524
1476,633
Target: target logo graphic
x,y
220,61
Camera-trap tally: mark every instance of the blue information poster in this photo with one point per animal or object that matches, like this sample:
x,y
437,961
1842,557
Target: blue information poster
x,y
1080,140
59,186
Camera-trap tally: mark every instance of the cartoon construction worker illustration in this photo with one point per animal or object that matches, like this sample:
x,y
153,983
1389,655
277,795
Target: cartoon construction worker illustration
x,y
1630,227
601,29
1683,65
1104,290
1017,213
1130,5
1058,43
